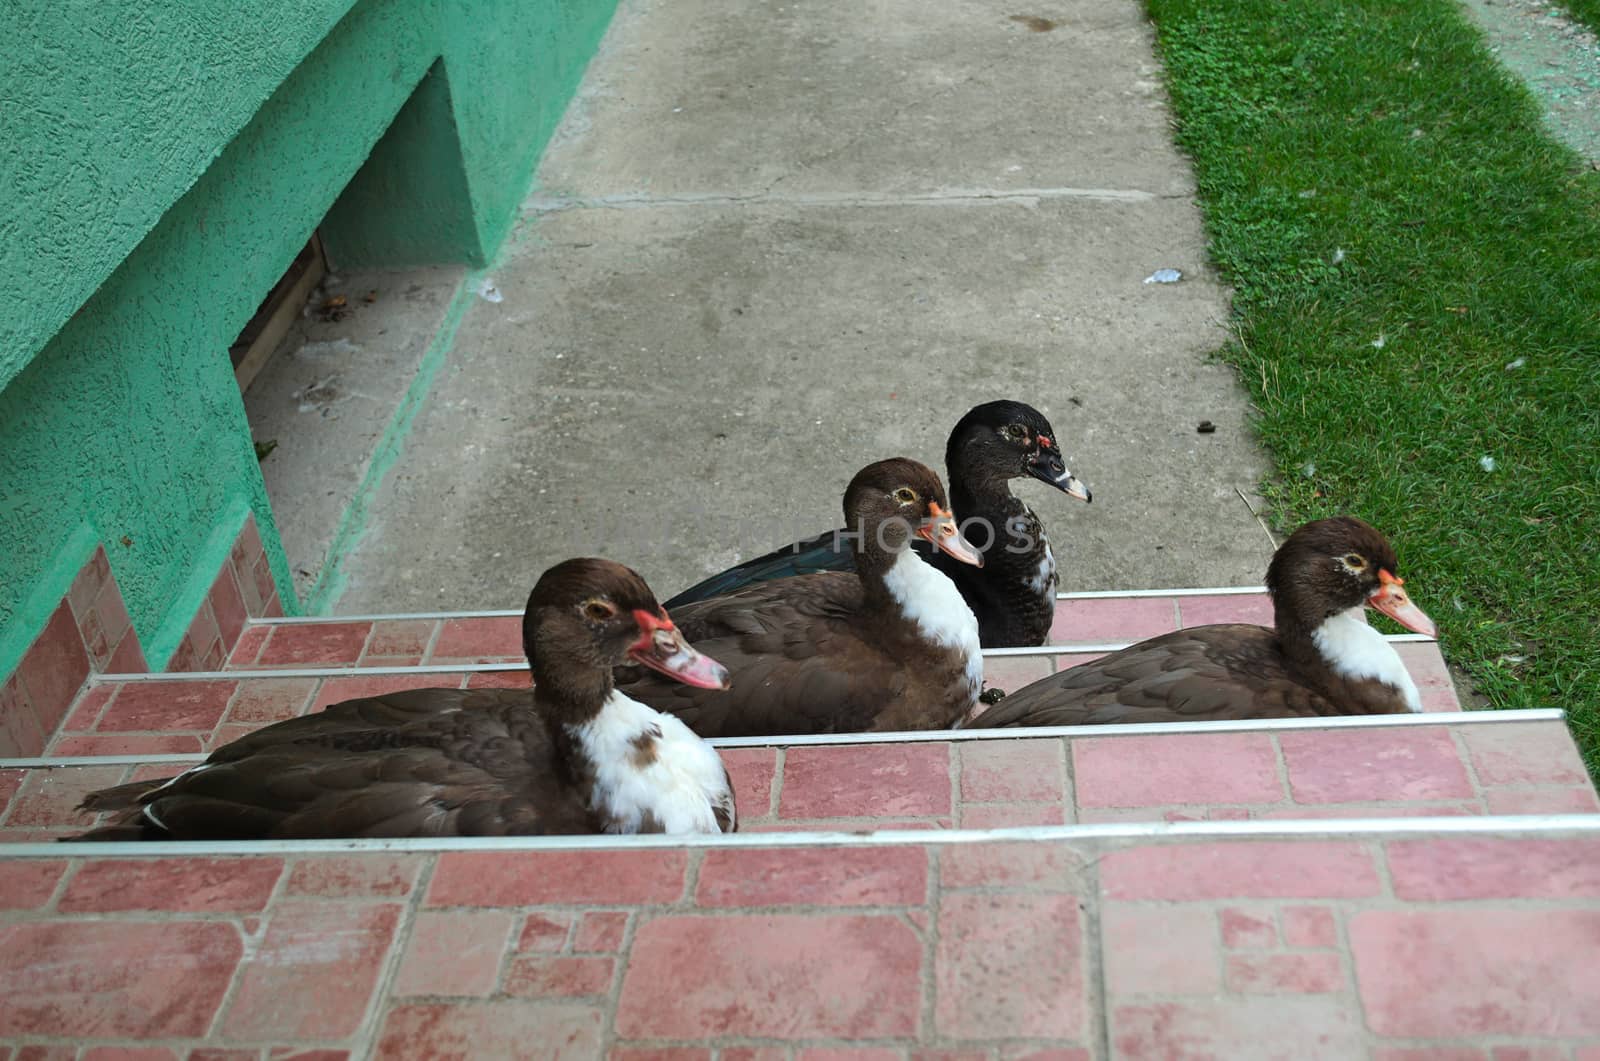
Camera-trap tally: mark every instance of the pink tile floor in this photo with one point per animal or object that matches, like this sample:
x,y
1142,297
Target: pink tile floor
x,y
1473,947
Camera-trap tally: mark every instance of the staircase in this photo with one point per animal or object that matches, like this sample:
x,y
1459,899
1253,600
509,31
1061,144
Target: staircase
x,y
1400,887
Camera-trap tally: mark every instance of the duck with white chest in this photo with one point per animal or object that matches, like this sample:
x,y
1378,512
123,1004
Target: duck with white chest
x,y
1320,658
573,756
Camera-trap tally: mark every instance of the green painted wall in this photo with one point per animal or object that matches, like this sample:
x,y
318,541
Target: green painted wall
x,y
197,155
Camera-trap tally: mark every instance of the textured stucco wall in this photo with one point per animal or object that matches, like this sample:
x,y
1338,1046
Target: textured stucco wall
x,y
111,110
127,423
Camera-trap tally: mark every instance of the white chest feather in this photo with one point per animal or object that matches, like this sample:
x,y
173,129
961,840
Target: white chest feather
x,y
929,599
1355,650
1043,581
652,771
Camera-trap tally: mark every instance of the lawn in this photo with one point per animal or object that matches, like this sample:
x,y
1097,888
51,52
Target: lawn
x,y
1585,11
1416,268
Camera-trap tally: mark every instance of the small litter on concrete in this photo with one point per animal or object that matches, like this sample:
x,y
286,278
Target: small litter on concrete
x,y
1164,276
1512,366
488,292
1206,427
1487,463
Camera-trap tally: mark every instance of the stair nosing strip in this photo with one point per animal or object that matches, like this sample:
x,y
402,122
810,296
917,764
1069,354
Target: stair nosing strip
x,y
1140,729
1322,828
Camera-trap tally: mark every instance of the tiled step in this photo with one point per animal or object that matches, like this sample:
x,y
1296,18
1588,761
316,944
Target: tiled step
x,y
1392,941
1477,763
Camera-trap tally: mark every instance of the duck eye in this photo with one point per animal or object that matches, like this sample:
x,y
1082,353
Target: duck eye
x,y
1015,432
905,495
598,610
1354,561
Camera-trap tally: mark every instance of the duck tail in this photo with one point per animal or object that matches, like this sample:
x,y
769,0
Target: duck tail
x,y
120,797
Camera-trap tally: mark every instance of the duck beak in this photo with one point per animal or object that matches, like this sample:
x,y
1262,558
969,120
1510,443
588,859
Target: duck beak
x,y
1047,466
940,529
1393,601
661,647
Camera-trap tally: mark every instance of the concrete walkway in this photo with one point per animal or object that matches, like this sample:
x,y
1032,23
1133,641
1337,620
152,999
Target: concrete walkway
x,y
772,246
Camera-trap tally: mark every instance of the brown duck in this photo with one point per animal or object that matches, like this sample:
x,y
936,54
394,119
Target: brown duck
x,y
1322,658
574,756
892,646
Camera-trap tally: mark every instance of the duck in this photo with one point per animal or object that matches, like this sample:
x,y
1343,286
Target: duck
x,y
1014,594
1322,657
574,756
889,646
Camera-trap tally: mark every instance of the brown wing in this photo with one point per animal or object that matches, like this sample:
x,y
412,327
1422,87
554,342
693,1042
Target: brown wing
x,y
1205,672
798,662
430,762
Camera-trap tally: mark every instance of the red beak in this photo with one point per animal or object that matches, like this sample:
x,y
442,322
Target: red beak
x,y
661,647
940,529
1393,601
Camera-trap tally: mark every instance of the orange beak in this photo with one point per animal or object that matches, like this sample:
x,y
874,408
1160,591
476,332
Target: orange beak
x,y
940,529
1392,600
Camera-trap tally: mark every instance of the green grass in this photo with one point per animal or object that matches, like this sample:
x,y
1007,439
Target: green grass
x,y
1470,241
1585,11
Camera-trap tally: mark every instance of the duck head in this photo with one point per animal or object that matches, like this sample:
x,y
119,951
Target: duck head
x,y
891,500
592,614
999,441
1330,566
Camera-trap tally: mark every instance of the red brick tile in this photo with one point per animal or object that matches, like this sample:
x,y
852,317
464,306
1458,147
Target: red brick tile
x,y
1009,965
209,1054
601,931
1225,608
845,976
1524,753
92,577
1066,1053
46,1053
1430,1053
1011,815
1372,810
289,1053
1495,868
273,609
522,878
878,825
755,1053
1162,770
86,712
325,643
167,706
1477,971
545,933
1267,869
1353,765
80,979
54,668
400,637
1309,926
1012,771
203,633
866,1053
1104,619
199,885
51,797
313,975
28,884
1586,1053
1259,1029
1159,950
343,877
819,876
249,645
659,1053
126,744
127,657
1427,669
127,1053
866,781
1247,928
1529,1053
270,699
337,690
1011,673
752,771
1285,974
986,865
454,952
229,732
104,625
465,1031
227,606
507,679
247,547
20,732
479,637
558,976
10,784
1577,799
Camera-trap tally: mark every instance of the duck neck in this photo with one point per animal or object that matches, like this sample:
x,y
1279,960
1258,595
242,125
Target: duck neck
x,y
921,597
568,701
1341,652
1008,535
